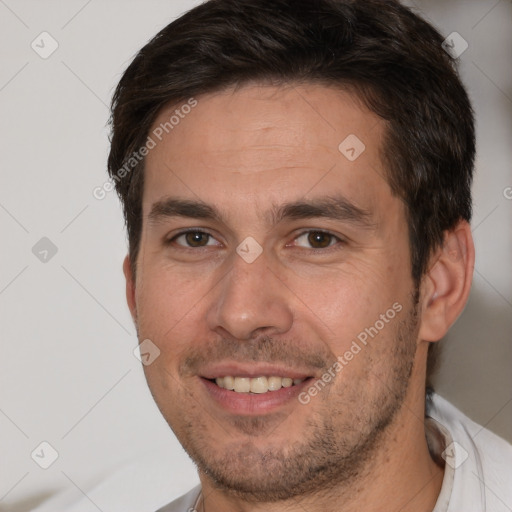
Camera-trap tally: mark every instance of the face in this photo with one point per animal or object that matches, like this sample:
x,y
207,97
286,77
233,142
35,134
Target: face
x,y
275,260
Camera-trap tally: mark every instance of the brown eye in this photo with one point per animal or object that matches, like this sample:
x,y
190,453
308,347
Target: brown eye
x,y
317,239
196,238
192,239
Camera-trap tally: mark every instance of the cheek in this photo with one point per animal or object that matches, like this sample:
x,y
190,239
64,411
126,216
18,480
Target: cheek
x,y
351,310
169,310
165,297
342,299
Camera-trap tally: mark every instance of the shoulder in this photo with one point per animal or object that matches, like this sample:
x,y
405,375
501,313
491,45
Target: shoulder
x,y
463,429
481,460
185,503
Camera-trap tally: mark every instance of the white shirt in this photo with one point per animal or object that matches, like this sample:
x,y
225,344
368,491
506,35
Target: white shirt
x,y
477,477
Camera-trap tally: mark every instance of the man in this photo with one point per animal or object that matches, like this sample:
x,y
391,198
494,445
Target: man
x,y
295,177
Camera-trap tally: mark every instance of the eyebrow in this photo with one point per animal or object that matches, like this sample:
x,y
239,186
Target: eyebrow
x,y
331,207
337,208
175,207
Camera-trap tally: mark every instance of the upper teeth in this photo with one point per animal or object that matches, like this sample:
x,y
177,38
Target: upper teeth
x,y
256,384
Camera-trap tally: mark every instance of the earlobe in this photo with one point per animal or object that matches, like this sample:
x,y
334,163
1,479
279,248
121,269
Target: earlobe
x,y
130,288
446,286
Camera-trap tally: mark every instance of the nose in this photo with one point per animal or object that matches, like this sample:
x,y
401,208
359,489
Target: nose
x,y
251,300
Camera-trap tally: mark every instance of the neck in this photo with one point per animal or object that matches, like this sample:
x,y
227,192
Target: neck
x,y
400,476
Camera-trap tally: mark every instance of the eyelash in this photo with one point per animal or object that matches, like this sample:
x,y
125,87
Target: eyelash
x,y
315,250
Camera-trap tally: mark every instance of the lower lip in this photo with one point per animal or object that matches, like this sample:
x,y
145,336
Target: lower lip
x,y
253,403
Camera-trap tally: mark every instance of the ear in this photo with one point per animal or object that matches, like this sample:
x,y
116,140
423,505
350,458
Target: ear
x,y
446,285
130,288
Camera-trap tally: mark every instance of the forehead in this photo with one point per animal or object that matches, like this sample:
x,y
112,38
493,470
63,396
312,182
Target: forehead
x,y
267,144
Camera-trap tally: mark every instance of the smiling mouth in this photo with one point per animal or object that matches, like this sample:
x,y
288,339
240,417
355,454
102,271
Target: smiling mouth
x,y
255,385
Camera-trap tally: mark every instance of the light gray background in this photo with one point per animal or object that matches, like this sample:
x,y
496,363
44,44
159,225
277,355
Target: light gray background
x,y
68,374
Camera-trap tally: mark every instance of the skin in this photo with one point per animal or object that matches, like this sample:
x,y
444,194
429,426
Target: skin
x,y
244,151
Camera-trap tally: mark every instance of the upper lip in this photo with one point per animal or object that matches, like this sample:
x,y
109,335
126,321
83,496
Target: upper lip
x,y
251,370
